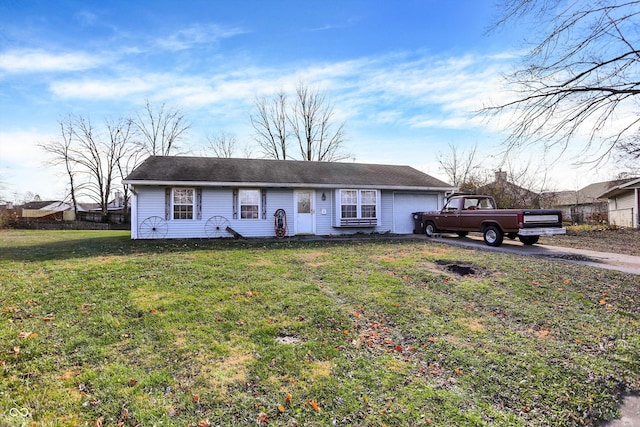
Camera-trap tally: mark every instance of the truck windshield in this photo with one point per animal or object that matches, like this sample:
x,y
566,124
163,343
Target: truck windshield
x,y
451,205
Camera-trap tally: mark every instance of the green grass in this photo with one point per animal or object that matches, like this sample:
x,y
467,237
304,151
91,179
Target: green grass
x,y
97,329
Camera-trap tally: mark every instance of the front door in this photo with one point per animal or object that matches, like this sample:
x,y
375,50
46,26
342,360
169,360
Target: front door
x,y
304,211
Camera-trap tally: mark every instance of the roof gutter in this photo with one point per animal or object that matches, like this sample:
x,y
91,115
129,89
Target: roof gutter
x,y
282,185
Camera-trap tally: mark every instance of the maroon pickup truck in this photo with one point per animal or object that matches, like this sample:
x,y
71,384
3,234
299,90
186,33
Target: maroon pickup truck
x,y
466,213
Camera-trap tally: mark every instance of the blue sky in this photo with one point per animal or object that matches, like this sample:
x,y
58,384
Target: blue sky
x,y
404,76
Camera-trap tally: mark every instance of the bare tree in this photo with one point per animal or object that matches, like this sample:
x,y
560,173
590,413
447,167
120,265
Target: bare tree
x,y
126,154
460,167
270,125
161,129
308,120
97,158
61,152
94,159
222,144
581,79
516,187
312,121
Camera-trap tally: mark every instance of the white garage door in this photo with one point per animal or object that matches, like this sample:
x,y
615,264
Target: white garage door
x,y
406,203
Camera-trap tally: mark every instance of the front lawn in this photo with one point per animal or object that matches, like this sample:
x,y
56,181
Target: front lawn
x,y
99,330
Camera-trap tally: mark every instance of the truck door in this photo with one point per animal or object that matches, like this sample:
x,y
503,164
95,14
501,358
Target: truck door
x,y
450,215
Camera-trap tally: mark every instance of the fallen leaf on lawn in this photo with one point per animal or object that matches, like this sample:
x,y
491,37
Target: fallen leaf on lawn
x,y
262,418
567,281
280,408
196,398
543,333
288,398
48,319
132,382
458,371
152,311
25,335
398,347
603,301
204,423
16,350
314,405
99,422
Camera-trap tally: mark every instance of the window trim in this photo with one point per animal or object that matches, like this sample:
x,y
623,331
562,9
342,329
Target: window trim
x,y
259,203
358,220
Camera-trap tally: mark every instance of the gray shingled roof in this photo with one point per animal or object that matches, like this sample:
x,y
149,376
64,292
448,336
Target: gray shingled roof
x,y
172,170
590,194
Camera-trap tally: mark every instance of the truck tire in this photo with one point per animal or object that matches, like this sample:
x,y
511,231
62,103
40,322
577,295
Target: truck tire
x,y
430,229
529,240
493,236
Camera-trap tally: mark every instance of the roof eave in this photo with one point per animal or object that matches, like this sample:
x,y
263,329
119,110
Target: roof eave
x,y
283,185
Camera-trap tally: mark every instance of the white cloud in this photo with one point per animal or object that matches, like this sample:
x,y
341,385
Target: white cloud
x,y
104,88
23,165
40,61
197,35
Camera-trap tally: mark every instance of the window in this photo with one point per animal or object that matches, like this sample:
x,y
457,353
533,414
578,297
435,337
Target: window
x,y
249,204
183,201
358,208
349,203
368,204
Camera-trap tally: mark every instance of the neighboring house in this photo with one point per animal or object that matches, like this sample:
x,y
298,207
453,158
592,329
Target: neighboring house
x,y
48,210
584,205
116,212
186,197
508,194
587,204
624,203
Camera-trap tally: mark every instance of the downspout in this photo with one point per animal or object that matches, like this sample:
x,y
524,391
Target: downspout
x,y
636,192
134,212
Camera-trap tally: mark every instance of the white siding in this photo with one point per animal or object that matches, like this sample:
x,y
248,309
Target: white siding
x,y
217,207
325,211
622,212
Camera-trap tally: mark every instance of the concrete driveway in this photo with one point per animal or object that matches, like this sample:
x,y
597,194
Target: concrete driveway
x,y
624,263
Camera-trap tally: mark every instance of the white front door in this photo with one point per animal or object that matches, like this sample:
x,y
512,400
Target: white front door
x,y
304,211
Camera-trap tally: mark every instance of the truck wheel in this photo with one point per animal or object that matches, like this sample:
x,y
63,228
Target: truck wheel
x,y
430,229
493,235
529,240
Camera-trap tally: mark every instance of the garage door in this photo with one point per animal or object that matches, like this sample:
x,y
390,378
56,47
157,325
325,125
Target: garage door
x,y
406,203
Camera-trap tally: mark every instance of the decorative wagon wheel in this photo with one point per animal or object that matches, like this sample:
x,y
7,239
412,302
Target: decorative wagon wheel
x,y
216,226
153,227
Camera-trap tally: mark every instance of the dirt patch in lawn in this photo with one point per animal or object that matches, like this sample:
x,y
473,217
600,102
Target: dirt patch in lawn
x,y
461,268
